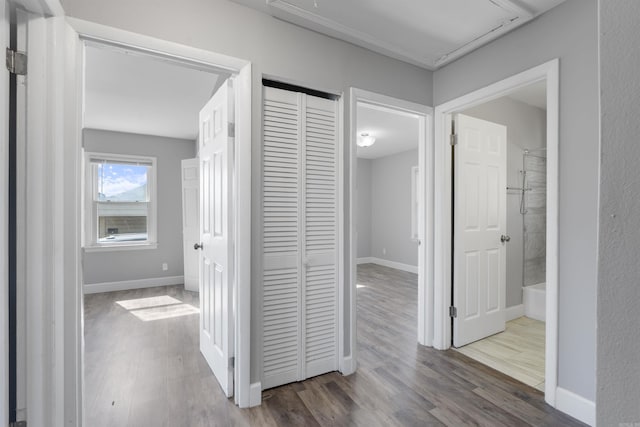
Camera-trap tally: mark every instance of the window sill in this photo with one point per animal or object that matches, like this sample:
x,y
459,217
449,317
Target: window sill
x,y
121,247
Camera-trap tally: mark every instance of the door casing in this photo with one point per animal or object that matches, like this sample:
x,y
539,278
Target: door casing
x,y
548,72
54,118
425,214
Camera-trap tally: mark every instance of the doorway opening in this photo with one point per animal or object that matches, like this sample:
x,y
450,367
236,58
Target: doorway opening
x,y
142,324
390,235
501,198
516,344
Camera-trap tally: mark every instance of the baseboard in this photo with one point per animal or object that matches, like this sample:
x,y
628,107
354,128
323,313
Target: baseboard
x,y
576,406
94,288
348,366
390,264
255,394
514,312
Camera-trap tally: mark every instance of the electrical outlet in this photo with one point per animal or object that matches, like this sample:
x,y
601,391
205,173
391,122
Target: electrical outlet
x,y
384,251
165,266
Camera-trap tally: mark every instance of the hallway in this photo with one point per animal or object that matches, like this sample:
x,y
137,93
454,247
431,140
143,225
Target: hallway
x,y
150,373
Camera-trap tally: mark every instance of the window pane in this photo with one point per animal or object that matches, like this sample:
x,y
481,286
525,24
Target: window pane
x,y
119,182
122,222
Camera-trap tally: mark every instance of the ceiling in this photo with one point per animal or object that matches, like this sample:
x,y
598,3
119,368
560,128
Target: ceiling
x,y
534,94
141,94
427,33
395,132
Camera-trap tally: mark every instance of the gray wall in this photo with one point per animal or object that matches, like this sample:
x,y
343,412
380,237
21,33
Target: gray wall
x,y
391,208
526,128
568,32
363,207
275,48
100,267
619,243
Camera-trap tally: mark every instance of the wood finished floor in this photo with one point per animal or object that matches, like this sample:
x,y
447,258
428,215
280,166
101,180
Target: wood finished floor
x,y
150,373
517,352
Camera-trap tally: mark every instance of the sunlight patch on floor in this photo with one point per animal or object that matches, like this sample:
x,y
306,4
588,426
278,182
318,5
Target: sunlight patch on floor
x,y
165,312
135,304
157,308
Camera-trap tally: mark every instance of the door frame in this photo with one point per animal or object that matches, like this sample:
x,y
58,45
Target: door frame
x,y
4,219
425,214
549,72
55,109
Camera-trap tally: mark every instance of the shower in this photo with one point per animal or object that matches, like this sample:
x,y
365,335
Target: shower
x,y
532,208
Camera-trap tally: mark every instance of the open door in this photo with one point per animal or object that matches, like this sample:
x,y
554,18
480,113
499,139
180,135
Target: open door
x,y
216,237
190,221
480,224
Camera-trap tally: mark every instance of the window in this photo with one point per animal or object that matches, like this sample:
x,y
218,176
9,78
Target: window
x,y
120,201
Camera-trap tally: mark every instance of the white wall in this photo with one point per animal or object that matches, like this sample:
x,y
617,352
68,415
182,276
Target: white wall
x,y
619,232
363,207
118,266
384,208
275,48
391,208
526,128
568,32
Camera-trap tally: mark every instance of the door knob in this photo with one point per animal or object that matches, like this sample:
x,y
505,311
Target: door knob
x,y
198,246
504,238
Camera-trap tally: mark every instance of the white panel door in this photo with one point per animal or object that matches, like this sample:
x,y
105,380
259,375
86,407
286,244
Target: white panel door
x,y
479,222
190,222
320,237
216,239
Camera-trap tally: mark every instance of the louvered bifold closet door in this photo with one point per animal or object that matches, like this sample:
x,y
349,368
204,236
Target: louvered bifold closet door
x,y
320,237
300,232
282,326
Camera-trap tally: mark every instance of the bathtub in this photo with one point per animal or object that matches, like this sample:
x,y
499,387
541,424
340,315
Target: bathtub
x,y
535,301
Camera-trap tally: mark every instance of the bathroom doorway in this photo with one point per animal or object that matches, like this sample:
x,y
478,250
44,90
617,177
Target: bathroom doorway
x,y
447,308
518,347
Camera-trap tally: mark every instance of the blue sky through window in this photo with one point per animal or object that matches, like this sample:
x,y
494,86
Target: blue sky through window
x,y
122,182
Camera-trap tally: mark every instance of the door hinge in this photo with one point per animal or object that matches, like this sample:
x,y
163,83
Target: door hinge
x,y
453,312
232,130
16,62
232,362
18,424
453,139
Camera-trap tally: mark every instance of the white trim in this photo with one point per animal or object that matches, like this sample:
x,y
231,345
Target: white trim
x,y
577,406
255,394
94,32
4,214
548,71
425,222
341,239
348,365
125,285
514,312
391,264
120,247
242,85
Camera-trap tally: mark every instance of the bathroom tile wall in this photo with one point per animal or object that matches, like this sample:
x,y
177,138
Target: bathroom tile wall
x,y
535,221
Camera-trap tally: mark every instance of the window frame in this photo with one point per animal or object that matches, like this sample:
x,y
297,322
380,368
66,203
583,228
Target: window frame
x,y
90,211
